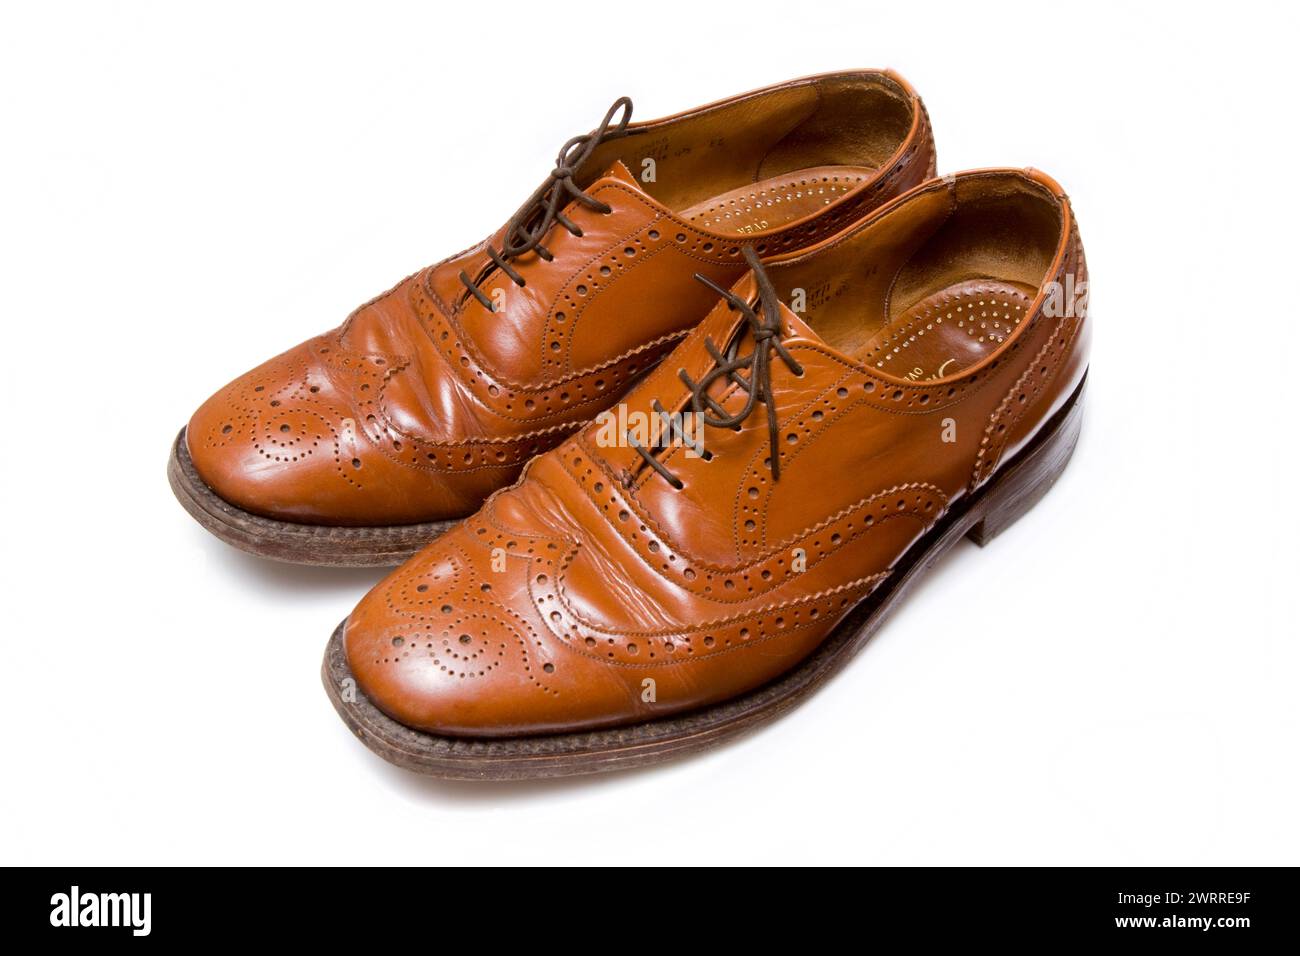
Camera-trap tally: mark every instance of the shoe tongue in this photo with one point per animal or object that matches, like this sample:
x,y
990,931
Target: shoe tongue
x,y
622,174
797,328
792,327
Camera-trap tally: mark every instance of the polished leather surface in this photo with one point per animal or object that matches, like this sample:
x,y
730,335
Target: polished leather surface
x,y
425,401
937,336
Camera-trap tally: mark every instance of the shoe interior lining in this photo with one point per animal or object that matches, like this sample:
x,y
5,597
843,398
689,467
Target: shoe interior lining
x,y
935,285
765,142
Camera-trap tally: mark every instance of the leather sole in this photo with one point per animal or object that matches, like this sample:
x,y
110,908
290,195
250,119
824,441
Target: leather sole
x,y
981,517
288,541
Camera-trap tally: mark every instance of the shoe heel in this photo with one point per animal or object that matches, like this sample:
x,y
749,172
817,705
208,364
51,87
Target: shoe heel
x,y
1023,483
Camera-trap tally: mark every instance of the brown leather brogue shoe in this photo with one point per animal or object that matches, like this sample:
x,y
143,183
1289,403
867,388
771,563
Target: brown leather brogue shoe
x,y
360,445
631,598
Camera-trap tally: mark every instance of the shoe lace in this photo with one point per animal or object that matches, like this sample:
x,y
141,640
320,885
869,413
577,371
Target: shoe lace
x,y
766,334
530,224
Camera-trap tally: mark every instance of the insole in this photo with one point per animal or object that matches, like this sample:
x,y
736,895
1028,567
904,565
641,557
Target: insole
x,y
774,202
949,330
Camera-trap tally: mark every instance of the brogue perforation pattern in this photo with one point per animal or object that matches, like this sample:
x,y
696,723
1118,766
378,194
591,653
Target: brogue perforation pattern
x,y
450,625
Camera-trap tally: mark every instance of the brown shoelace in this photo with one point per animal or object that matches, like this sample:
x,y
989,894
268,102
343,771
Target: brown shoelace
x,y
529,226
766,333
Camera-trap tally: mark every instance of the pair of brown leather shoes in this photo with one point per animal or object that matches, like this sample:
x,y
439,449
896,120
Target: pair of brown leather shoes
x,y
746,371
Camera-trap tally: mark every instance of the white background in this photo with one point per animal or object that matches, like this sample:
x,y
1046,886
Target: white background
x,y
188,190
